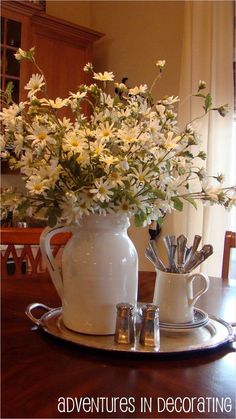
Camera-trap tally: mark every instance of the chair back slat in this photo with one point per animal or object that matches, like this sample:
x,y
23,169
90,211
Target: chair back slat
x,y
229,243
21,255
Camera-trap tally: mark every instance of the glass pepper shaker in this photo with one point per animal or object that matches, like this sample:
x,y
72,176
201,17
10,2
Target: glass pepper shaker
x,y
124,323
150,332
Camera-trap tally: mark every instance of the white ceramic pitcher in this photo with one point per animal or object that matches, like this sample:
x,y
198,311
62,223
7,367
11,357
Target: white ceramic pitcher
x,y
173,294
99,270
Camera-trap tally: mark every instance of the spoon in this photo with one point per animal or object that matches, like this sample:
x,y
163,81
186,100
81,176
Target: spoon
x,y
152,251
194,247
193,262
181,251
170,243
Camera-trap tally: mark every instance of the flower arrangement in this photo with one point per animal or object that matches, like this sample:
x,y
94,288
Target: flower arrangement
x,y
126,156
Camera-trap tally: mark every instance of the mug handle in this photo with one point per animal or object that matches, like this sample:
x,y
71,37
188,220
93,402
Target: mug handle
x,y
192,300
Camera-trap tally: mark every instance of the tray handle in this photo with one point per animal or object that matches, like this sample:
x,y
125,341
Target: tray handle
x,y
233,326
32,307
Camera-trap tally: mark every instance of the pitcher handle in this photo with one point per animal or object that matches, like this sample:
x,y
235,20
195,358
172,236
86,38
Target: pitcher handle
x,y
205,287
48,257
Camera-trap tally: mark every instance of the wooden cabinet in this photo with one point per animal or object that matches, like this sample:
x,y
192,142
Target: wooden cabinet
x,y
68,48
15,33
62,49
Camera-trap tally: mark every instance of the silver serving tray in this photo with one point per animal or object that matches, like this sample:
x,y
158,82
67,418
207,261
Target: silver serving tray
x,y
212,335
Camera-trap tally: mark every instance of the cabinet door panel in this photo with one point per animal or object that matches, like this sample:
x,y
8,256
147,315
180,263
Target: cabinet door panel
x,y
62,64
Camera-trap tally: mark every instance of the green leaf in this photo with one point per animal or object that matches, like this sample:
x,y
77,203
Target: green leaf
x,y
159,193
52,214
52,219
22,207
186,154
208,102
160,221
8,92
116,100
192,201
39,207
178,204
200,95
30,54
202,155
139,219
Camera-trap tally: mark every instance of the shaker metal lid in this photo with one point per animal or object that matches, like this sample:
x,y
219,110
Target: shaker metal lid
x,y
124,308
150,310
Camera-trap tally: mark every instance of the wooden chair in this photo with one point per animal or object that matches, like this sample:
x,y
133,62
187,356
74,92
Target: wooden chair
x,y
20,252
229,243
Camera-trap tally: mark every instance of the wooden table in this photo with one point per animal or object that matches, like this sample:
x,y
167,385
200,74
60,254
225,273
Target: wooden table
x,y
40,374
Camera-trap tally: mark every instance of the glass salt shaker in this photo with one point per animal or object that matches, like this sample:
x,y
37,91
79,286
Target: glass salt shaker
x,y
150,331
124,324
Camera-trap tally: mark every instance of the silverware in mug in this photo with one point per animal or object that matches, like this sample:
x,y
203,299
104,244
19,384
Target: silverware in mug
x,y
149,255
207,250
194,247
193,262
152,255
199,257
187,259
170,243
181,251
173,267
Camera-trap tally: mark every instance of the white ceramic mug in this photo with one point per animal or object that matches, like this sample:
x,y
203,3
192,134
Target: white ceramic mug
x,y
174,295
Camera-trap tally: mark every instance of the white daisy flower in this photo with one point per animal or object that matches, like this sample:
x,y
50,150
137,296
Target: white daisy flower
x,y
88,67
213,193
78,95
40,135
121,87
108,160
201,85
106,76
115,179
20,54
35,84
105,131
170,142
83,159
128,135
73,142
138,90
141,174
161,64
71,211
170,100
65,123
124,165
36,185
98,147
8,115
58,103
124,207
26,161
102,191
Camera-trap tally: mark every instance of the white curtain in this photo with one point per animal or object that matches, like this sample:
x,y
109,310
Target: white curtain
x,y
208,55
